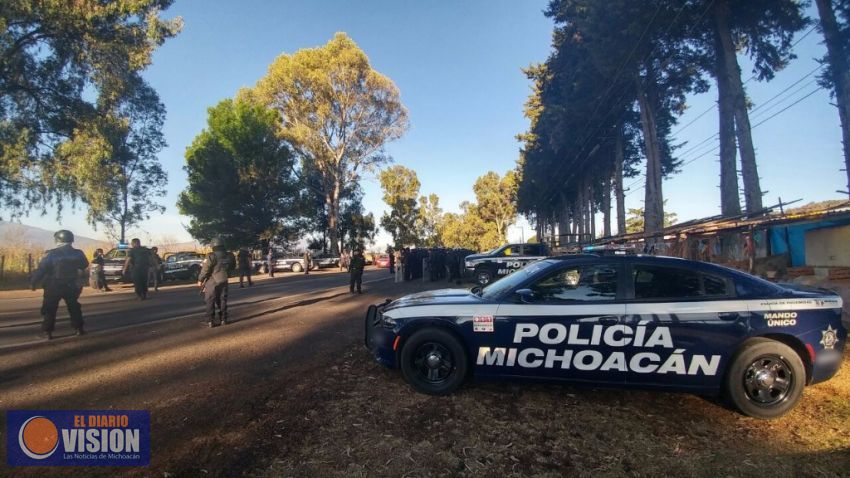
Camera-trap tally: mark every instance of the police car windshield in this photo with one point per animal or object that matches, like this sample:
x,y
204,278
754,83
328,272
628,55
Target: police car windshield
x,y
116,253
498,288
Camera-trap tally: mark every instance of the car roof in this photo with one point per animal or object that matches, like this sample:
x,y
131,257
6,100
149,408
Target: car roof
x,y
654,260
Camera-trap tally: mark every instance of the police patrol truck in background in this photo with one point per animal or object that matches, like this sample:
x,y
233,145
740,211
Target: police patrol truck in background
x,y
489,266
623,321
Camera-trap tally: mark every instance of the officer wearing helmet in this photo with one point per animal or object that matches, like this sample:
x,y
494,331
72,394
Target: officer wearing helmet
x,y
355,268
213,278
58,272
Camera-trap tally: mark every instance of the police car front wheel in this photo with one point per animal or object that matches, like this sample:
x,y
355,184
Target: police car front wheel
x,y
433,361
766,379
483,277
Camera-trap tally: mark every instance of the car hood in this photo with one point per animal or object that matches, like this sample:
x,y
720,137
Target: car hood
x,y
473,257
441,296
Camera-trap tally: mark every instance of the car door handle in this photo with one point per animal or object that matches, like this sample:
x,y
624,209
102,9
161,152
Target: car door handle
x,y
609,320
728,315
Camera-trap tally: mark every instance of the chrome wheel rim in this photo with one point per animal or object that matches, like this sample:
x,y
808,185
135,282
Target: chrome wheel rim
x,y
768,380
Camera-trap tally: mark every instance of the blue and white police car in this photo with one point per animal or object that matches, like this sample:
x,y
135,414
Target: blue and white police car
x,y
631,321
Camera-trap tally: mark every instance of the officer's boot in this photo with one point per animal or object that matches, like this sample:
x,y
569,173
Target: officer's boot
x,y
223,318
211,321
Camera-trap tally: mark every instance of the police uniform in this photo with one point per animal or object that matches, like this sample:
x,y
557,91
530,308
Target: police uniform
x,y
358,262
244,260
214,271
138,263
59,271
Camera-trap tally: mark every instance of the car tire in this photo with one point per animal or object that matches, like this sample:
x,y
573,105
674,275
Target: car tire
x,y
766,379
434,362
297,267
483,276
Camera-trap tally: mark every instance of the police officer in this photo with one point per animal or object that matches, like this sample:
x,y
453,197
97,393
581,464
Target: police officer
x,y
213,278
307,260
100,280
358,262
244,260
138,263
155,266
58,271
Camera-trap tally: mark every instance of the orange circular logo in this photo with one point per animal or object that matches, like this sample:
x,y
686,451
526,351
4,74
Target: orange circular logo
x,y
38,438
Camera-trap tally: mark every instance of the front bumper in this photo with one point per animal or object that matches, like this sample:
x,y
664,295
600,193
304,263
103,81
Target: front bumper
x,y
379,340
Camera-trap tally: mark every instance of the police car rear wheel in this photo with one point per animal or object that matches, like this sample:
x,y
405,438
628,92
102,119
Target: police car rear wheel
x,y
433,361
766,379
297,268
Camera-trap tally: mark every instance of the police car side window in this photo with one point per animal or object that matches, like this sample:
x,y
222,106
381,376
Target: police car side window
x,y
714,286
654,282
578,284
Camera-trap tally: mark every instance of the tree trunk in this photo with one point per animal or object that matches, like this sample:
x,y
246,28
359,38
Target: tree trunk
x,y
591,211
332,201
620,195
839,74
730,202
653,213
125,196
580,214
606,206
749,169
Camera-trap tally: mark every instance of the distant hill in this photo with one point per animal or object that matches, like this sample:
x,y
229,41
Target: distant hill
x,y
14,234
35,237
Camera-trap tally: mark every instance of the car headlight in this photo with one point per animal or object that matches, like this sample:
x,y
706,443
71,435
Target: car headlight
x,y
467,264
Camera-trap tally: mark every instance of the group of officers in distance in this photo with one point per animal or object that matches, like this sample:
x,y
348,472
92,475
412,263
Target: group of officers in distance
x,y
59,270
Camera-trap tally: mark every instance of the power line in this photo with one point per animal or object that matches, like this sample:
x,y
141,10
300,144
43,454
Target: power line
x,y
713,106
787,107
716,147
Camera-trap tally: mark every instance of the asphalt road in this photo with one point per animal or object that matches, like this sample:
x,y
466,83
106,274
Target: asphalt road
x,y
210,392
20,318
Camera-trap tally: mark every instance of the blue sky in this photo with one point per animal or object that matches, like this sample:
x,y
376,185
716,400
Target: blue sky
x,y
458,66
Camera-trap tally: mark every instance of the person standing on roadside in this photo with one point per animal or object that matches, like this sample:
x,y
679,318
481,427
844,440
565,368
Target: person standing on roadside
x,y
358,263
138,263
307,259
98,261
244,260
58,272
216,268
399,273
391,258
270,261
153,270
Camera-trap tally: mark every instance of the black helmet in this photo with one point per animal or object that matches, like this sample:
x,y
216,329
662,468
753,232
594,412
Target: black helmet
x,y
216,242
64,236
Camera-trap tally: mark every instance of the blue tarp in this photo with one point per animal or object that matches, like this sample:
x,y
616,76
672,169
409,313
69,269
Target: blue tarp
x,y
796,234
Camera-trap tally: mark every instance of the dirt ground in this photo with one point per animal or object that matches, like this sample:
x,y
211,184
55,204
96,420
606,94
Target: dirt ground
x,y
295,393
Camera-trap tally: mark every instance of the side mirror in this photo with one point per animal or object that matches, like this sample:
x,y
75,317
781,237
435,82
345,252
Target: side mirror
x,y
476,290
524,296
